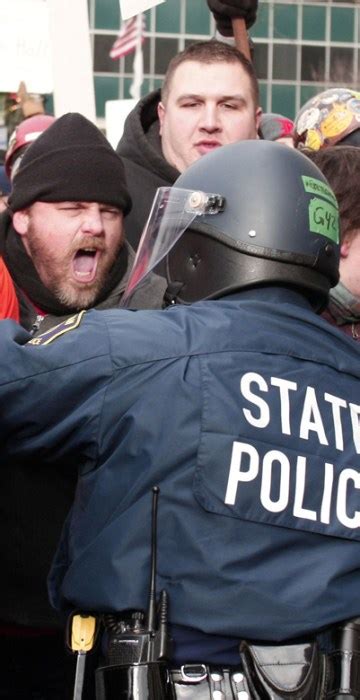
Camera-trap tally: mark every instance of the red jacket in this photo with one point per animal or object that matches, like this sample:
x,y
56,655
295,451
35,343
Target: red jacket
x,y
9,306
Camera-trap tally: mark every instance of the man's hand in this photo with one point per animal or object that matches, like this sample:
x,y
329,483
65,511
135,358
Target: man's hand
x,y
225,10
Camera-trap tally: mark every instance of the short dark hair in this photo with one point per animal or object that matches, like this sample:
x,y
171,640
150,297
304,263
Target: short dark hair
x,y
211,51
341,167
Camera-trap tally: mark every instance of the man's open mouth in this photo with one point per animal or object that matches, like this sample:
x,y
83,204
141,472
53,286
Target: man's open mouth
x,y
85,262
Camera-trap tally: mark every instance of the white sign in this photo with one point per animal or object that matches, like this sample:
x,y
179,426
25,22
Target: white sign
x,y
116,112
25,53
72,60
130,8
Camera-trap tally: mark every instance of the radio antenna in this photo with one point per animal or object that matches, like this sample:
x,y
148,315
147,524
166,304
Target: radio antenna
x,y
151,614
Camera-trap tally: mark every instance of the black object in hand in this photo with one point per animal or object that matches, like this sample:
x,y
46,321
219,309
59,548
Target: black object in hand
x,y
226,10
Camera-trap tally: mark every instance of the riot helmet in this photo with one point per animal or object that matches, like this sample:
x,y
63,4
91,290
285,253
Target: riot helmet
x,y
270,218
329,118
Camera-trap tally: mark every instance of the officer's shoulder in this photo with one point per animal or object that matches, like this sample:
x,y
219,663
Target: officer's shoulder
x,y
145,335
56,331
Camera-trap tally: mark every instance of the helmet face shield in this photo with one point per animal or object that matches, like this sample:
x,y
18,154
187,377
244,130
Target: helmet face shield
x,y
173,211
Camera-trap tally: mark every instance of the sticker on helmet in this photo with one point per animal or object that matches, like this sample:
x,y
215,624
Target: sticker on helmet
x,y
323,213
314,140
329,98
354,105
314,186
324,219
308,119
337,121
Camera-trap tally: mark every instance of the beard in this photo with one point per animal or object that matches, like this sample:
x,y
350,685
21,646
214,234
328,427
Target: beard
x,y
80,298
56,271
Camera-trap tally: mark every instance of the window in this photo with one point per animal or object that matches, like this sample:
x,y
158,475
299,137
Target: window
x,y
342,24
107,14
341,65
168,17
102,61
283,100
285,21
313,63
198,18
314,19
261,60
284,61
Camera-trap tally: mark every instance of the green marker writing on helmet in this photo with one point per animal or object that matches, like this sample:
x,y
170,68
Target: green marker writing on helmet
x,y
323,213
314,186
324,219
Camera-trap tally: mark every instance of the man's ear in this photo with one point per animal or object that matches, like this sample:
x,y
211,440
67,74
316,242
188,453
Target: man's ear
x,y
161,115
21,222
346,243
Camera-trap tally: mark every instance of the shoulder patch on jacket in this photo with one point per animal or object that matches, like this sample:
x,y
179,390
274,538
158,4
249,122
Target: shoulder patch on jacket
x,y
53,333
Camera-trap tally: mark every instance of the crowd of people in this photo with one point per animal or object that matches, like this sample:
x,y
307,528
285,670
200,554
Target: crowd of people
x,y
233,388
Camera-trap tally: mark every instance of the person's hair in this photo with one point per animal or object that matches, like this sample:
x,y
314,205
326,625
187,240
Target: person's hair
x,y
208,52
341,167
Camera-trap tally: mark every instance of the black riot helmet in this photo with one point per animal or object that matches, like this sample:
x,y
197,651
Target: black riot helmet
x,y
279,224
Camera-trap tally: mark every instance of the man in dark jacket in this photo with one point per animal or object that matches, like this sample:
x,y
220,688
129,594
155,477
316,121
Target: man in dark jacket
x,y
64,243
209,98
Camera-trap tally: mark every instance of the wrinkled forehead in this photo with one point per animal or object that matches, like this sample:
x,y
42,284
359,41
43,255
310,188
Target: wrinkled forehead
x,y
220,78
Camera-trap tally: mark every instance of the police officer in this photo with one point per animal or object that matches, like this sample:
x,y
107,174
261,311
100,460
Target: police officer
x,y
242,405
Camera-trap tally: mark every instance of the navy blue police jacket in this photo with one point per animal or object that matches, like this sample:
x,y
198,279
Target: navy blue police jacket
x,y
246,412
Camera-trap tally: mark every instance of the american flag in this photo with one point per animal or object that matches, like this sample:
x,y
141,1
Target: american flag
x,y
131,34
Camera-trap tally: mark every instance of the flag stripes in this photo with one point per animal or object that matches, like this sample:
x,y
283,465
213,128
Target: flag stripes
x,y
131,32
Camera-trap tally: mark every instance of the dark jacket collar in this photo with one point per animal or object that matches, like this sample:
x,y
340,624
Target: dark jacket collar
x,y
141,141
272,294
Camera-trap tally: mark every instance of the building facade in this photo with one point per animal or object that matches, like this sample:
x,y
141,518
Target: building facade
x,y
301,47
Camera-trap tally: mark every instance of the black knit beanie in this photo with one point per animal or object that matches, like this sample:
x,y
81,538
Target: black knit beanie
x,y
71,161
